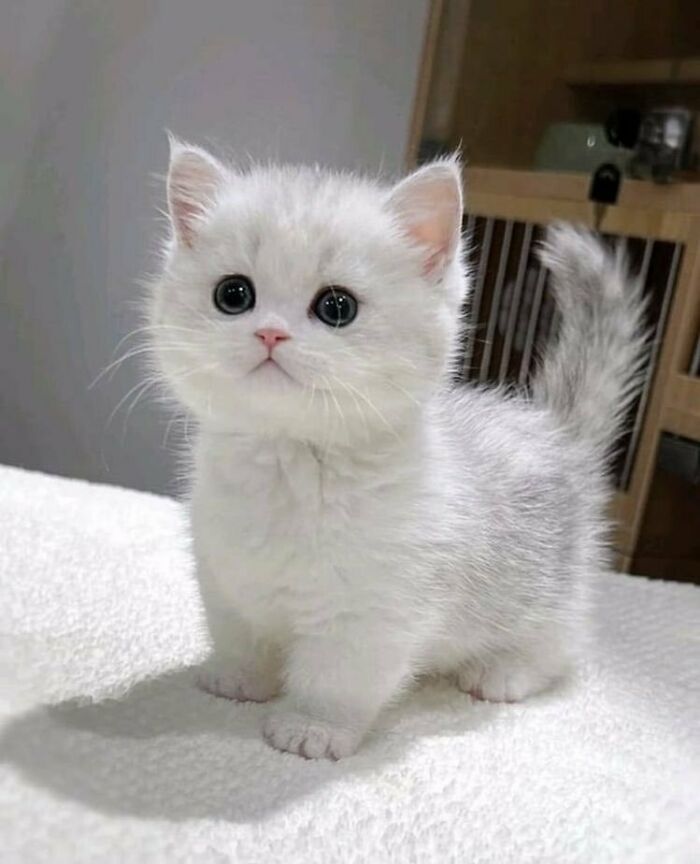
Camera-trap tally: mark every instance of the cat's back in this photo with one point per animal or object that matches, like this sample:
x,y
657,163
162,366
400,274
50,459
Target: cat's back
x,y
493,424
510,455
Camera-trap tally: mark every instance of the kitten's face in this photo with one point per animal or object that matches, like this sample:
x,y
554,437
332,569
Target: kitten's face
x,y
299,302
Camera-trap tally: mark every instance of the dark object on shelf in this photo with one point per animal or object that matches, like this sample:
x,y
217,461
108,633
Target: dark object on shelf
x,y
430,149
664,144
622,127
605,184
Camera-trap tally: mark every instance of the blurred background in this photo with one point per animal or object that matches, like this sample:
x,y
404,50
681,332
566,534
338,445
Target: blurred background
x,y
563,110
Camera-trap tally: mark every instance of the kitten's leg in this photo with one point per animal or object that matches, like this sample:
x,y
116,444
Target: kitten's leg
x,y
336,685
512,676
243,665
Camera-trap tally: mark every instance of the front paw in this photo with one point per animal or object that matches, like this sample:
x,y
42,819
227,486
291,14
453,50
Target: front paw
x,y
313,739
501,681
238,684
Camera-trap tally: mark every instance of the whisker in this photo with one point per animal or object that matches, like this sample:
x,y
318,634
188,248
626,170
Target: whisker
x,y
376,410
392,383
148,328
340,412
360,410
135,352
149,382
144,386
175,416
326,417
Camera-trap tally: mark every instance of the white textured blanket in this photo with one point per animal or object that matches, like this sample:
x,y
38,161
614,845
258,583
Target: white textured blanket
x,y
110,753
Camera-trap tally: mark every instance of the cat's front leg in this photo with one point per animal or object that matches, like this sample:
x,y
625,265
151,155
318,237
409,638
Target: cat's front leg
x,y
246,676
336,684
244,663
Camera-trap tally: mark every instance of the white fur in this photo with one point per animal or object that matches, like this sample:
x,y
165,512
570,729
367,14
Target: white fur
x,y
367,522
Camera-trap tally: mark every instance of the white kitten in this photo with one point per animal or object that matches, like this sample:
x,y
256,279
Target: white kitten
x,y
357,519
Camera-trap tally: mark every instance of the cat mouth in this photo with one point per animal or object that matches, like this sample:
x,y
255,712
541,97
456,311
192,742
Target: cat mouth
x,y
270,365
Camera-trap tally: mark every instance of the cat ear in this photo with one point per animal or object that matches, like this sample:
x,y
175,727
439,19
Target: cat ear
x,y
194,178
428,207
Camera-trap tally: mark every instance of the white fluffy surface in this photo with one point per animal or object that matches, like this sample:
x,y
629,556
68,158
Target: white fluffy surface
x,y
112,755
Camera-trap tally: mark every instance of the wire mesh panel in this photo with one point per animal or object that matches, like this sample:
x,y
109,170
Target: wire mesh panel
x,y
513,316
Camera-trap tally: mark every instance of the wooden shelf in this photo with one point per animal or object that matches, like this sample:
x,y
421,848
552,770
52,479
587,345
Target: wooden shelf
x,y
681,197
630,73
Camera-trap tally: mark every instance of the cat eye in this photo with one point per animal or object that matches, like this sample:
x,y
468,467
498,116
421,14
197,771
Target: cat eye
x,y
335,306
234,295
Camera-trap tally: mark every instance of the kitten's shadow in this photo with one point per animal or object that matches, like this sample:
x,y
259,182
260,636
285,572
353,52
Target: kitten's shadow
x,y
166,750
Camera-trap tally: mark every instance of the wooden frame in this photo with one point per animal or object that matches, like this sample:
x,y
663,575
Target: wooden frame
x,y
662,213
618,73
425,74
644,210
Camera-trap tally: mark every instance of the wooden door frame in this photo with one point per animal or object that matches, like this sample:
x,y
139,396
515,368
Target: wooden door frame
x,y
431,35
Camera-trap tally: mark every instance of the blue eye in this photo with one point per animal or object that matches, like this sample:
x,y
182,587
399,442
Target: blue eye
x,y
234,295
335,306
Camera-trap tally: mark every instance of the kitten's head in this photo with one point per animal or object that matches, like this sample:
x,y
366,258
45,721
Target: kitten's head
x,y
307,303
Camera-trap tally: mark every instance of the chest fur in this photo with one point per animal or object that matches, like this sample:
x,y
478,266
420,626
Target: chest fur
x,y
278,521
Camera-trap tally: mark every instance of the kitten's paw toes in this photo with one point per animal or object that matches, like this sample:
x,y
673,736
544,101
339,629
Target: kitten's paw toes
x,y
240,686
501,682
307,737
468,678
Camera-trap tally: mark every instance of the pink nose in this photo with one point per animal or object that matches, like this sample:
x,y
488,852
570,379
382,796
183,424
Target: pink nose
x,y
270,336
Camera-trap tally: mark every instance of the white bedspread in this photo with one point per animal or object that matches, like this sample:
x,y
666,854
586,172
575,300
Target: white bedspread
x,y
111,755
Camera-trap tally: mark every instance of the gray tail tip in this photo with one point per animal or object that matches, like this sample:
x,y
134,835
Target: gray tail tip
x,y
566,246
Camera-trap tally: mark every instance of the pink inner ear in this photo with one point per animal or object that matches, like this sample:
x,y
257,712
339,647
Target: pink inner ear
x,y
185,214
192,186
434,242
428,205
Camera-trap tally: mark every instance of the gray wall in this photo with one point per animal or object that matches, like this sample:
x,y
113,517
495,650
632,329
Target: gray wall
x,y
88,89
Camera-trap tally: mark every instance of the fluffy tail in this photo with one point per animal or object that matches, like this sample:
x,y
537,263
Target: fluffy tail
x,y
591,374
